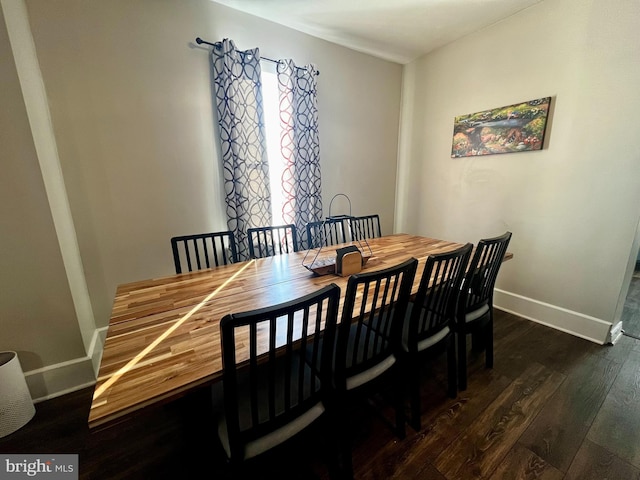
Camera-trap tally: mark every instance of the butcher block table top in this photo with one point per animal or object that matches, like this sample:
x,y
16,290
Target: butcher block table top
x,y
164,339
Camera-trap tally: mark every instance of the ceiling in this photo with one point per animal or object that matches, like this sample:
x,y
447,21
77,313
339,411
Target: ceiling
x,y
396,30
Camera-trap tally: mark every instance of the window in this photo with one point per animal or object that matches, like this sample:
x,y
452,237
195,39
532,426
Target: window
x,y
271,101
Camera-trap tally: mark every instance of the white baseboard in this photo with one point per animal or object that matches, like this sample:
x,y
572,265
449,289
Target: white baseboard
x,y
55,380
615,334
96,348
66,377
578,324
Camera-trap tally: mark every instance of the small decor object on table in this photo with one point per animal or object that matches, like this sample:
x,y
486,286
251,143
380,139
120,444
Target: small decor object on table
x,y
515,128
348,260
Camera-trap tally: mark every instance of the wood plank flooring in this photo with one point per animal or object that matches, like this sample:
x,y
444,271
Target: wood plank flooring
x,y
631,311
554,407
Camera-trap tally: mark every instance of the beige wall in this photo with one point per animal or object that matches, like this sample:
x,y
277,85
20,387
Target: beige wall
x,y
130,100
37,316
129,95
574,207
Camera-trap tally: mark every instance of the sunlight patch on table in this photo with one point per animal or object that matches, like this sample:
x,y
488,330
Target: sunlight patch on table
x,y
138,358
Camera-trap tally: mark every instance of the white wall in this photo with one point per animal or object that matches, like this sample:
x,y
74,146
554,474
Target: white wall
x,y
573,208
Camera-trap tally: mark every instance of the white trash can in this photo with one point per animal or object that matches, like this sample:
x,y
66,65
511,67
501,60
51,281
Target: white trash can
x,y
16,405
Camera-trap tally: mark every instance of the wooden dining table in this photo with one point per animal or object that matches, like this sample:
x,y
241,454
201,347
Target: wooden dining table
x,y
163,339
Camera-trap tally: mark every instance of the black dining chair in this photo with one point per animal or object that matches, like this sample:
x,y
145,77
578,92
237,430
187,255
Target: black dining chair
x,y
272,240
428,330
368,335
271,389
366,226
203,250
475,306
327,232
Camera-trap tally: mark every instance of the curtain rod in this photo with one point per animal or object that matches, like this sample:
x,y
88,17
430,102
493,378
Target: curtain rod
x,y
200,41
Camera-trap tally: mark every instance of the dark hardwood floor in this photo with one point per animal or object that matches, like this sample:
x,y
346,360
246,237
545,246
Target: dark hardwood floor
x,y
553,407
631,311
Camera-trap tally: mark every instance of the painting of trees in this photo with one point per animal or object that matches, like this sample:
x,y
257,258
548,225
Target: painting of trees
x,y
514,128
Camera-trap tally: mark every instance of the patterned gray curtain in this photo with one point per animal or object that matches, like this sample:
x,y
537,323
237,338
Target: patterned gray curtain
x,y
242,138
300,145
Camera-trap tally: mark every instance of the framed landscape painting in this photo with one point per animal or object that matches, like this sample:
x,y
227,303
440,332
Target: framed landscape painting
x,y
514,128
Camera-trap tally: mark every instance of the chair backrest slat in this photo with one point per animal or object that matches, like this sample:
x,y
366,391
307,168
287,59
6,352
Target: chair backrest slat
x,y
203,250
272,240
435,302
324,233
483,271
365,226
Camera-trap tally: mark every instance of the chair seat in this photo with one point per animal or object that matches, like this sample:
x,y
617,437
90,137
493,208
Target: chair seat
x,y
378,369
433,339
360,378
425,343
476,314
274,438
381,365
